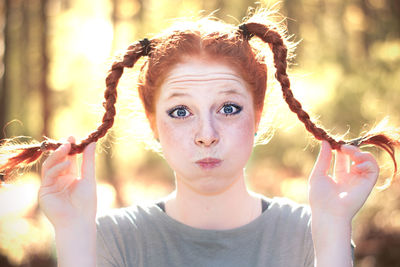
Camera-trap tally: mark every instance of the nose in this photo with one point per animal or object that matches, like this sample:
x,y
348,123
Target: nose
x,y
207,134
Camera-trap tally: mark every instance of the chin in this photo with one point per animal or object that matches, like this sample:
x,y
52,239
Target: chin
x,y
209,185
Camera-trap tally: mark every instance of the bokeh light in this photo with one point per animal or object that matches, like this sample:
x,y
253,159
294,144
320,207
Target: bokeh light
x,y
346,75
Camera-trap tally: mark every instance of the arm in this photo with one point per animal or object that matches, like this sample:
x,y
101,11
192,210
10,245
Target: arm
x,y
76,245
70,204
335,199
332,241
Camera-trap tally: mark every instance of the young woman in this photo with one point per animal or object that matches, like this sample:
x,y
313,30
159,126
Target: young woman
x,y
203,90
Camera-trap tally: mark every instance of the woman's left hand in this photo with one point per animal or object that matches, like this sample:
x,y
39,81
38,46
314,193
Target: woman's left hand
x,y
344,192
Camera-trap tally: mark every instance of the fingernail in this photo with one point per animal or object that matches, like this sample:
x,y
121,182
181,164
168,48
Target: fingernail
x,y
61,147
65,145
347,146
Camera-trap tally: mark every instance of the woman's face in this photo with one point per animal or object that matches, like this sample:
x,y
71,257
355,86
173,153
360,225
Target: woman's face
x,y
205,122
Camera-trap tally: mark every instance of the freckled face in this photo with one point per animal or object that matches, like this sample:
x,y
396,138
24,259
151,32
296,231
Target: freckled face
x,y
206,123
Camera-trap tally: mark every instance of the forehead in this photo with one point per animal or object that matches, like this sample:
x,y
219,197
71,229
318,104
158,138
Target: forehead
x,y
198,73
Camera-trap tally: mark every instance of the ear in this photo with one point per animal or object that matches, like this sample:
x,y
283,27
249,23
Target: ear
x,y
153,124
258,114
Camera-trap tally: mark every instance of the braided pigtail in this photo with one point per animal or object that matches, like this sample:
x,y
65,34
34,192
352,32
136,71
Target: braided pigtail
x,y
387,140
14,156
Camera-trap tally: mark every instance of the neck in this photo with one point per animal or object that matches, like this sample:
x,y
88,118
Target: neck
x,y
229,209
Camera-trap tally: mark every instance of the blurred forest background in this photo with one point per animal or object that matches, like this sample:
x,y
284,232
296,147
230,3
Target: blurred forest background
x,y
54,56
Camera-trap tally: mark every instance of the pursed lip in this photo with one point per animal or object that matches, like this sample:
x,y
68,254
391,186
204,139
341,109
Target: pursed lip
x,y
209,163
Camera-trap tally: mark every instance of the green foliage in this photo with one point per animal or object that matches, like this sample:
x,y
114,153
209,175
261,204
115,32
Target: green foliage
x,y
346,73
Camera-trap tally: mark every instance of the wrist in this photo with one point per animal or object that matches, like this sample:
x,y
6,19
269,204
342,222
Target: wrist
x,y
332,239
323,217
76,244
76,226
330,228
326,219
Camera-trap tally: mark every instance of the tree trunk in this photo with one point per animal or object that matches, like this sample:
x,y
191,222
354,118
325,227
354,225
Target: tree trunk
x,y
44,88
5,9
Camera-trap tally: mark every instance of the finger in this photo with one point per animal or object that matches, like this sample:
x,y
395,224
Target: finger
x,y
88,162
362,157
63,182
349,149
73,166
366,167
57,156
323,162
342,164
368,172
356,155
53,173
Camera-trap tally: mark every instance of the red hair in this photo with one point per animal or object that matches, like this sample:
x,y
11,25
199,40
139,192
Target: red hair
x,y
208,39
222,44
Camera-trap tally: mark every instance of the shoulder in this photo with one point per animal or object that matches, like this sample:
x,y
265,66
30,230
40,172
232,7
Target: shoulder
x,y
128,218
291,224
120,233
289,214
116,216
289,208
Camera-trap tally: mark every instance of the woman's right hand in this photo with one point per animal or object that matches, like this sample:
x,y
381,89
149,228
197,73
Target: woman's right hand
x,y
65,198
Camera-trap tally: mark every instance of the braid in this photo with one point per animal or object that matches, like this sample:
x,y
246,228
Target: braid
x,y
16,156
386,140
279,51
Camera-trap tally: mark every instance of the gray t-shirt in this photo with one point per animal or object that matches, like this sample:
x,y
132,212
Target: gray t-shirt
x,y
147,236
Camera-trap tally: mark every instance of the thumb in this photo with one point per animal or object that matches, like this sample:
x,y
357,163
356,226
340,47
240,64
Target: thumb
x,y
323,162
88,162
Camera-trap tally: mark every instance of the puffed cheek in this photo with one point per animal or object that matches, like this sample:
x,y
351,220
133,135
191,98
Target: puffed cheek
x,y
244,138
246,130
171,133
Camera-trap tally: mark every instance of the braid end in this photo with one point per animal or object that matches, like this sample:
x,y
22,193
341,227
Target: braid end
x,y
18,157
386,138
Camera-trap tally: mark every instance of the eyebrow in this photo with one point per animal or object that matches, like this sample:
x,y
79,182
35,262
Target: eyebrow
x,y
231,92
176,95
225,92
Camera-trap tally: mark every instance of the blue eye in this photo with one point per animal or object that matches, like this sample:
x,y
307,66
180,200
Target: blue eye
x,y
230,109
180,112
